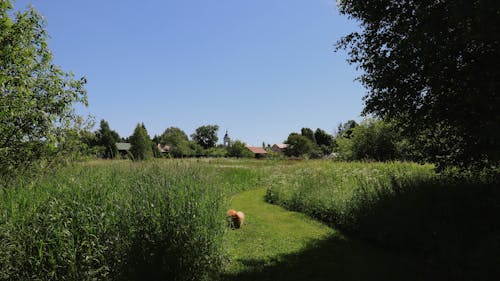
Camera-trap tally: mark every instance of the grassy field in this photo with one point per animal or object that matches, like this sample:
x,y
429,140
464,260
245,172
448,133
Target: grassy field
x,y
276,244
449,221
118,220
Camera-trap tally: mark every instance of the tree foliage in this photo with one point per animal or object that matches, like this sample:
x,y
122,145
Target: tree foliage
x,y
178,142
371,140
308,133
206,136
345,129
432,68
36,96
298,145
107,139
322,137
141,143
238,149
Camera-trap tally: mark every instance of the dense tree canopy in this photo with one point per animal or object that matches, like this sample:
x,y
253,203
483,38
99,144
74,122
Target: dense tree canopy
x,y
107,139
141,143
298,145
432,67
370,140
36,96
308,133
178,142
345,129
206,136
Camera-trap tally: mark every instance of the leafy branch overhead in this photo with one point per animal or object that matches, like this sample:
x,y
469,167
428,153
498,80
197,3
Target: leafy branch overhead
x,y
432,68
36,96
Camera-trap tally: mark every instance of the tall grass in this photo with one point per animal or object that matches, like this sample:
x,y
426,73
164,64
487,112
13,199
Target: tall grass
x,y
451,222
118,221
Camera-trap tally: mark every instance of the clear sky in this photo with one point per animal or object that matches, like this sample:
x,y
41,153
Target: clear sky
x,y
259,69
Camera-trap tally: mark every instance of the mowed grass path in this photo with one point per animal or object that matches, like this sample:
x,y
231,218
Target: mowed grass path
x,y
276,244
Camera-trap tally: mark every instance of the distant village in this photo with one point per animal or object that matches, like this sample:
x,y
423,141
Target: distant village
x,y
257,151
175,143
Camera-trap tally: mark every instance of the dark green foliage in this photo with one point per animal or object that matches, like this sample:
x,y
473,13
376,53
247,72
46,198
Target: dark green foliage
x,y
107,139
450,221
298,145
371,140
141,143
322,137
432,68
345,129
36,96
238,149
308,133
206,136
324,141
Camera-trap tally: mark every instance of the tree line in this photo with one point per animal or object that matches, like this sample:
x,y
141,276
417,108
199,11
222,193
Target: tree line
x,y
103,143
430,70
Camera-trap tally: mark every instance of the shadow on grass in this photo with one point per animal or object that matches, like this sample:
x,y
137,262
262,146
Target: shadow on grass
x,y
452,225
337,259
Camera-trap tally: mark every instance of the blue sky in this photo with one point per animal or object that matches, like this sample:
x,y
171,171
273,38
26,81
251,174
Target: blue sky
x,y
259,69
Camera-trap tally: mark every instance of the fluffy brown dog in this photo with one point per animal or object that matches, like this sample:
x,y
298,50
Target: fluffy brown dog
x,y
235,219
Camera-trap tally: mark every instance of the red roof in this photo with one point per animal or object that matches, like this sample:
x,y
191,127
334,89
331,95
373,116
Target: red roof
x,y
281,145
257,150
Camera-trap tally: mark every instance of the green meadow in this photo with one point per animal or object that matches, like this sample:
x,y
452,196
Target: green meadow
x,y
305,220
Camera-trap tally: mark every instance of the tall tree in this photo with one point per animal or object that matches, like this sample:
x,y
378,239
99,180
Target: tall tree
x,y
206,136
324,141
36,96
432,67
107,139
141,143
178,142
322,137
308,133
345,129
298,145
371,140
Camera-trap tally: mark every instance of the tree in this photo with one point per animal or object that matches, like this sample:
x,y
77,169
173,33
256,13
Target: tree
x,y
178,142
141,143
373,140
345,129
308,133
298,145
107,139
173,136
324,141
322,137
431,67
238,149
206,136
36,96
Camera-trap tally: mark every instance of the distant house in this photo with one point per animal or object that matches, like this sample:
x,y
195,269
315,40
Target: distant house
x,y
164,148
279,147
258,152
123,148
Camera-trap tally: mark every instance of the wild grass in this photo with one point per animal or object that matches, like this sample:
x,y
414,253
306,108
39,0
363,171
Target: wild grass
x,y
119,221
450,222
276,244
164,220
